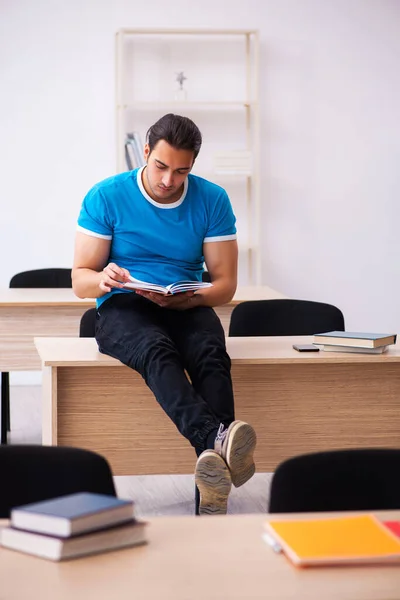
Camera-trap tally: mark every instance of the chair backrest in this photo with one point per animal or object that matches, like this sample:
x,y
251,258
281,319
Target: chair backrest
x,y
355,479
284,317
35,473
88,323
42,278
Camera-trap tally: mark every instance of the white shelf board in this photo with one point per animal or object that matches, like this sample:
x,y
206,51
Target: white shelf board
x,y
166,104
226,175
126,31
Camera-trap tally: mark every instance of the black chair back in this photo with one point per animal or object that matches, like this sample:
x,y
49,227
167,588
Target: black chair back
x,y
36,473
42,278
339,480
284,317
88,323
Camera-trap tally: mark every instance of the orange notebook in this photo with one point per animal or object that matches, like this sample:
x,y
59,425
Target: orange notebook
x,y
336,540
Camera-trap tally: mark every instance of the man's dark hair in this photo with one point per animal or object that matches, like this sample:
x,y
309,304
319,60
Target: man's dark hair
x,y
179,132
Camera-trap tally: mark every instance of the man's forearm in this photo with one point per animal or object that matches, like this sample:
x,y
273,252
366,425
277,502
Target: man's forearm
x,y
218,294
85,283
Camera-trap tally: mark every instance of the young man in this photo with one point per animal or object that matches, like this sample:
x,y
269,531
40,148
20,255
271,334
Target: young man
x,y
160,224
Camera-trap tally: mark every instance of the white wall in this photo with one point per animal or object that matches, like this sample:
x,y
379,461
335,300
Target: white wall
x,y
330,149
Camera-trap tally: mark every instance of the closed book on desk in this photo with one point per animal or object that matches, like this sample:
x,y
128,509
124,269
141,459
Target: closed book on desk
x,y
335,540
354,349
72,514
56,548
355,339
394,527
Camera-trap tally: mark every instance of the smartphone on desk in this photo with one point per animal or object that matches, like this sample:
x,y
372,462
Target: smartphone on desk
x,y
305,348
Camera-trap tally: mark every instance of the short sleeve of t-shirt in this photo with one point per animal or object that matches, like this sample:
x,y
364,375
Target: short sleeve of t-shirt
x,y
94,217
222,222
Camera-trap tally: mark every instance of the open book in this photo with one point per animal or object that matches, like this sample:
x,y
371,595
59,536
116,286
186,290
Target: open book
x,y
172,288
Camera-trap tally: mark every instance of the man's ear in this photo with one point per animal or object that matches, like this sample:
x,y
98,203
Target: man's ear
x,y
146,151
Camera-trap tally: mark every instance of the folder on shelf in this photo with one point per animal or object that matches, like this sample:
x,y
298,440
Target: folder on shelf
x,y
233,162
134,151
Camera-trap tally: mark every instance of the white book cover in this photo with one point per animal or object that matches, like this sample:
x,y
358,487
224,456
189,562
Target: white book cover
x,y
354,349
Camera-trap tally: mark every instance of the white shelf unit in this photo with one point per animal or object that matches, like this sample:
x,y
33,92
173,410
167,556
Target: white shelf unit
x,y
222,98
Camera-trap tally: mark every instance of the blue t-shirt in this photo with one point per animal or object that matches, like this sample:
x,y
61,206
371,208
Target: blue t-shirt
x,y
158,243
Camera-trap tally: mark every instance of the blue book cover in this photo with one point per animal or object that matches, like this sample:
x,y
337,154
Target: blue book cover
x,y
75,506
357,335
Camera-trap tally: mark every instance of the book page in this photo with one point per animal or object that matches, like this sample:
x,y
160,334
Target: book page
x,y
137,284
173,288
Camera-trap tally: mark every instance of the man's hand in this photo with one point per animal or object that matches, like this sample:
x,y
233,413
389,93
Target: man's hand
x,y
113,276
182,301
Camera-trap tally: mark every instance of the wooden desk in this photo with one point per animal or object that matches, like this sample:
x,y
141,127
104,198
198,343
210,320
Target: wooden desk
x,y
26,313
297,402
189,558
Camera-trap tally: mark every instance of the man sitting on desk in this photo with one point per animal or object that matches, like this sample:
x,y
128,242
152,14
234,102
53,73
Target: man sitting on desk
x,y
160,224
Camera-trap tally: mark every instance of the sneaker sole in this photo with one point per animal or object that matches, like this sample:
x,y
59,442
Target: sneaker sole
x,y
239,451
213,479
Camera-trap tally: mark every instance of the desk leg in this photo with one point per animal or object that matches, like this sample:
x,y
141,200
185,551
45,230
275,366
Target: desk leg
x,y
5,406
49,406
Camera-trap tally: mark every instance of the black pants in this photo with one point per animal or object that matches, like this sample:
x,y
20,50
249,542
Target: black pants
x,y
162,344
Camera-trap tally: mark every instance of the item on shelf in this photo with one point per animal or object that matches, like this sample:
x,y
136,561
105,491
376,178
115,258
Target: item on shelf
x,y
134,151
355,339
130,156
180,93
334,541
235,162
60,548
72,514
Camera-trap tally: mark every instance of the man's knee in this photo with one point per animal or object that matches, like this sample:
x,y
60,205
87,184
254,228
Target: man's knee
x,y
206,347
151,350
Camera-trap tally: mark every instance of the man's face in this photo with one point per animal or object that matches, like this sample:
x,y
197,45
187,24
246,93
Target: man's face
x,y
167,169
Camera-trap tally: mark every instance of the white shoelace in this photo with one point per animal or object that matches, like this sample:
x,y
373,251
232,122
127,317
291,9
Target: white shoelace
x,y
220,437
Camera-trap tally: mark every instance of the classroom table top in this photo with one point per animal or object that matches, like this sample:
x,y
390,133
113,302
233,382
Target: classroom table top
x,y
189,558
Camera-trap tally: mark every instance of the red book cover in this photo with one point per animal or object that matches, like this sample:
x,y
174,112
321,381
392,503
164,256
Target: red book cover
x,y
394,526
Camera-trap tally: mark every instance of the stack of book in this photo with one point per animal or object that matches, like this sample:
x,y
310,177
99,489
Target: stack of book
x,y
350,341
72,526
235,162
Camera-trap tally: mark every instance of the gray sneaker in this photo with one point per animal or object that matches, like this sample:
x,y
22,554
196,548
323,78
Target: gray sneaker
x,y
236,445
213,479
